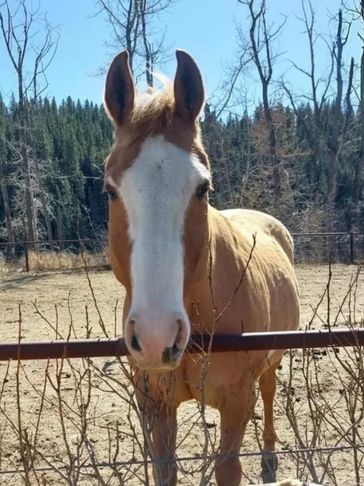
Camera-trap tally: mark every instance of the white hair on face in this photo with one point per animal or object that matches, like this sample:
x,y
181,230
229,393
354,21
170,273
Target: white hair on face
x,y
156,191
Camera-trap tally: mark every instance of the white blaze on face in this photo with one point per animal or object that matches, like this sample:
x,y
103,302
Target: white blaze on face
x,y
156,191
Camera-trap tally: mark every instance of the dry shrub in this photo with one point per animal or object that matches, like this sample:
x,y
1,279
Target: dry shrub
x,y
83,425
8,266
321,397
40,261
46,261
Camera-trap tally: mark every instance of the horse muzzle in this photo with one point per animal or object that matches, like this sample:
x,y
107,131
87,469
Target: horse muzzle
x,y
157,344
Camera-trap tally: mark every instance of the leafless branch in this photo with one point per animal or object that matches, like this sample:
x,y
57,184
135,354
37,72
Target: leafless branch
x,y
131,22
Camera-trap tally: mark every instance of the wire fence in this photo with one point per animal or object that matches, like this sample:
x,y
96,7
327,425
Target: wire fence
x,y
320,247
353,336
310,247
136,462
53,254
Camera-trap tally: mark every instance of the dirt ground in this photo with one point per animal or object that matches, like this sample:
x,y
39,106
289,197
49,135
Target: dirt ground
x,y
35,396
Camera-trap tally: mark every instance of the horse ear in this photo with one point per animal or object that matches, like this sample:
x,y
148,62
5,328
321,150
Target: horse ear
x,y
119,89
189,93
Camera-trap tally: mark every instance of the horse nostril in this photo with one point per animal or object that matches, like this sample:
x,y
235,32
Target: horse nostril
x,y
176,352
171,355
135,343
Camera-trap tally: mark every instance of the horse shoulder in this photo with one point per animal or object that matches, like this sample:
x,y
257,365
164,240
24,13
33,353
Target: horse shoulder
x,y
272,264
257,222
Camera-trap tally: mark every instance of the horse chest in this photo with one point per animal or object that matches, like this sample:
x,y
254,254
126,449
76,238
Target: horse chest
x,y
211,379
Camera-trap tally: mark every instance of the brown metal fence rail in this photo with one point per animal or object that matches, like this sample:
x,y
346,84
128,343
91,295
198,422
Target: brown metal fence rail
x,y
92,348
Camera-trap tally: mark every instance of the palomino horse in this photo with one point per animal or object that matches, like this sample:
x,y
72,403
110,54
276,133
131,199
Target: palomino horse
x,y
187,267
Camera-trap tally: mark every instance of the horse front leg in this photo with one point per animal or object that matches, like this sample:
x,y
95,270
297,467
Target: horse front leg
x,y
235,414
159,423
163,426
269,463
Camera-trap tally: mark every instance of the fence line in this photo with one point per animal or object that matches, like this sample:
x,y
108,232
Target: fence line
x,y
27,245
217,343
255,341
63,349
56,244
350,234
139,462
48,242
100,240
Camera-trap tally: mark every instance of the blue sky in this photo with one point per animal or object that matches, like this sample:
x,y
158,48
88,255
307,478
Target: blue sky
x,y
205,28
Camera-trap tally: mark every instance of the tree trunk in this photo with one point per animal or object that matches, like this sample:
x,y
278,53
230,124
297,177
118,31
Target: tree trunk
x,y
43,203
360,162
59,220
29,196
274,161
8,219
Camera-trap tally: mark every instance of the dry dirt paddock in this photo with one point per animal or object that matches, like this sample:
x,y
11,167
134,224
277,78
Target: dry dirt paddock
x,y
60,415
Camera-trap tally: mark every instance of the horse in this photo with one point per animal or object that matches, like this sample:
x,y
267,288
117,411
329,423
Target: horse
x,y
189,268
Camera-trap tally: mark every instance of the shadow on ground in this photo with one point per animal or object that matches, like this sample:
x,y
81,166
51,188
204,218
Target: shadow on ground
x,y
17,281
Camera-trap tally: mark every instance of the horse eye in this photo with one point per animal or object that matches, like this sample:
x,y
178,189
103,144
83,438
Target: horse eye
x,y
112,195
110,192
202,189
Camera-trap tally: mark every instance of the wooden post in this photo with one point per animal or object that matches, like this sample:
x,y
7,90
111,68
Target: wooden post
x,y
351,247
26,247
26,254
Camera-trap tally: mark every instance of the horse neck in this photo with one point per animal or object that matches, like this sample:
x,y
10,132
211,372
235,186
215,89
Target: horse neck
x,y
222,235
211,290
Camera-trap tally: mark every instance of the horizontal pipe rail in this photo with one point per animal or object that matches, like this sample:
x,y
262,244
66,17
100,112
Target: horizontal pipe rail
x,y
93,348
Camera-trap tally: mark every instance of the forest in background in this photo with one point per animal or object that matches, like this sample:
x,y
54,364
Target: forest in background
x,y
299,158
68,143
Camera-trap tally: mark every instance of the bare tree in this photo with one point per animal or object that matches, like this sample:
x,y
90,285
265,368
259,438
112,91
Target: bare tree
x,y
256,47
338,138
318,96
4,183
356,9
360,164
7,211
30,60
131,24
321,90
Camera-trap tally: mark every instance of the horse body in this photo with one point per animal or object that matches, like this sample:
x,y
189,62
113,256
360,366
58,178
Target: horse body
x,y
237,276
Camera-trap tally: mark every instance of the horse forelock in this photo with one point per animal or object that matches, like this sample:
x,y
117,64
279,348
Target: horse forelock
x,y
154,114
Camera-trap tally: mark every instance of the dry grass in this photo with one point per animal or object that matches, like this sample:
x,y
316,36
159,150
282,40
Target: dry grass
x,y
7,267
65,260
46,261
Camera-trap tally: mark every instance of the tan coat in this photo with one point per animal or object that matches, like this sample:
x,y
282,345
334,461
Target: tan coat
x,y
237,277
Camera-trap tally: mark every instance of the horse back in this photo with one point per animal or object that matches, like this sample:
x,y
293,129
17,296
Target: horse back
x,y
256,222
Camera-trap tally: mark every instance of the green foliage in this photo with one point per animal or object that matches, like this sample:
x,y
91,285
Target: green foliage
x,y
70,141
243,177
